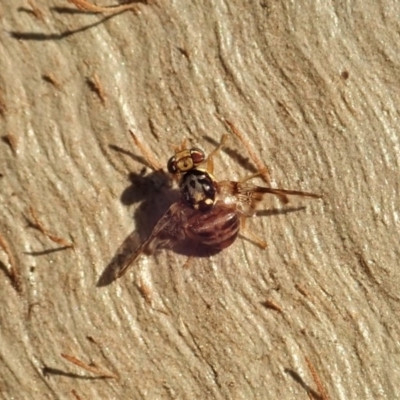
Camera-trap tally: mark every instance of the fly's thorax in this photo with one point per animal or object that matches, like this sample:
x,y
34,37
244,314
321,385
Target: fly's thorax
x,y
198,189
227,192
242,197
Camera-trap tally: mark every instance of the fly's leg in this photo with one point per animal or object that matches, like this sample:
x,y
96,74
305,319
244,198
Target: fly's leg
x,y
210,161
247,234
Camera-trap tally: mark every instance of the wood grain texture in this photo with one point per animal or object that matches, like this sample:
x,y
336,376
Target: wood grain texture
x,y
314,86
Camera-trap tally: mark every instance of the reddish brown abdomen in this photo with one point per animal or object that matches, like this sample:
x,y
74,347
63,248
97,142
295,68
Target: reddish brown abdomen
x,y
217,228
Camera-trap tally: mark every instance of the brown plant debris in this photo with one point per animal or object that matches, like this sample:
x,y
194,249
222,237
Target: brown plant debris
x,y
13,272
76,395
89,7
97,87
145,291
89,367
12,141
317,380
3,106
52,79
302,291
39,226
272,305
36,10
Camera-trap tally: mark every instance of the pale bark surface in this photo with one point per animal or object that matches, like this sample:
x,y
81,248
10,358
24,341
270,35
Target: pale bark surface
x,y
314,87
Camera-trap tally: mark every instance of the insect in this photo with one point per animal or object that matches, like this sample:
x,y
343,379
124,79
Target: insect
x,y
210,212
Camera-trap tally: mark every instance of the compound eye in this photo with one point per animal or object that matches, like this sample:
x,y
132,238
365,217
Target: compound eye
x,y
172,167
197,156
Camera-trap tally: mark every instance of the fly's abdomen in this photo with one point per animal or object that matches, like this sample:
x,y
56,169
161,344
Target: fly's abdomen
x,y
217,228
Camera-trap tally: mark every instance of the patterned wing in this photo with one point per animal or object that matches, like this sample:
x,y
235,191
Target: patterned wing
x,y
168,229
